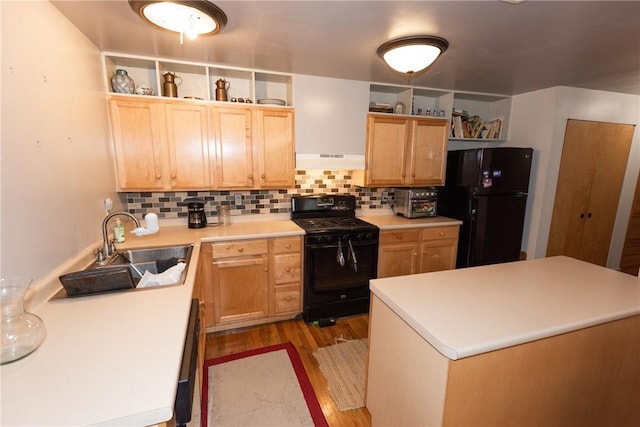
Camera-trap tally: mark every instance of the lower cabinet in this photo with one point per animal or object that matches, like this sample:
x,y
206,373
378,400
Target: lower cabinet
x,y
248,282
417,250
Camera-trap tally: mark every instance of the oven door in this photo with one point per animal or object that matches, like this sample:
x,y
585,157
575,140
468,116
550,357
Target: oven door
x,y
340,270
422,208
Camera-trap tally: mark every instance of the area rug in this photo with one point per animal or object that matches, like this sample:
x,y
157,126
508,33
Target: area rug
x,y
263,387
344,366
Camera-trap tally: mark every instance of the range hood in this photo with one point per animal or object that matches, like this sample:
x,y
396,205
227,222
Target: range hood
x,y
330,161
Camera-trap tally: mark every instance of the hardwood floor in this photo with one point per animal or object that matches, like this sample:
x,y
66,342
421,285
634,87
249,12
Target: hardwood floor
x,y
306,338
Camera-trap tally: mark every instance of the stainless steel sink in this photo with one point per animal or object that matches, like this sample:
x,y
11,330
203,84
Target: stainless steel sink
x,y
137,261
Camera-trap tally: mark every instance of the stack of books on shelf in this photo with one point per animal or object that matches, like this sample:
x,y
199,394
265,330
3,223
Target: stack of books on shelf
x,y
473,127
379,107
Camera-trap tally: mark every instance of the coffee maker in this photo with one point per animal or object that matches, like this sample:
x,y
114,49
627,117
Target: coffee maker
x,y
197,217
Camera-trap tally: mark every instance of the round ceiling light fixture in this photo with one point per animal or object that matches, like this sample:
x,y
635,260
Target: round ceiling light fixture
x,y
412,54
191,18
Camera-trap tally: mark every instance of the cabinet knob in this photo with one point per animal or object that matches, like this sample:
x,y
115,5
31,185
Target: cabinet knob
x,y
288,270
158,176
250,176
442,233
240,249
266,269
288,246
415,254
263,176
288,298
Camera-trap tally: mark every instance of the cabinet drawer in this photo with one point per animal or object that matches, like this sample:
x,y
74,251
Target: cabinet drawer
x,y
286,245
287,299
399,236
440,233
287,268
243,248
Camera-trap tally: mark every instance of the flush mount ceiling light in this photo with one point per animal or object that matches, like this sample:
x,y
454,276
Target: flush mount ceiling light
x,y
190,18
412,54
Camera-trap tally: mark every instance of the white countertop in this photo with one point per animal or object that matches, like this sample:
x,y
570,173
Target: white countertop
x,y
470,311
111,359
114,359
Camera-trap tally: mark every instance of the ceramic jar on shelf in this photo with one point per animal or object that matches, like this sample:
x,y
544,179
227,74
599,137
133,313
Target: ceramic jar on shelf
x,y
121,82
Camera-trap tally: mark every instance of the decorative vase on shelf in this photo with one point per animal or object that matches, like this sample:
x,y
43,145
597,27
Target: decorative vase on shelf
x,y
122,83
21,332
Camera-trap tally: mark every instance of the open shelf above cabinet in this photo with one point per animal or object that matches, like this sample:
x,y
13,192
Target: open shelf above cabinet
x,y
198,80
421,101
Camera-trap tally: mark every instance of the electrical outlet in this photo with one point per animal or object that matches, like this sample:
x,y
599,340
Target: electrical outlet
x,y
108,204
238,199
385,196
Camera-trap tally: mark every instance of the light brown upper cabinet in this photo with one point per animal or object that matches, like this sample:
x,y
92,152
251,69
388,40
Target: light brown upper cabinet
x,y
137,127
273,144
592,168
234,159
403,151
188,141
254,147
186,145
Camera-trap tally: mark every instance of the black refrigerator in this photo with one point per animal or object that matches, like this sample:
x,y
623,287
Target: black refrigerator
x,y
486,188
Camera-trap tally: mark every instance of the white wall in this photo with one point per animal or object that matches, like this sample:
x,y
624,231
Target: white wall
x,y
538,120
56,162
331,115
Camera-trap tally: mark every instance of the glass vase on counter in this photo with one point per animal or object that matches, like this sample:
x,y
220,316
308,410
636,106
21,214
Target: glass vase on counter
x,y
22,332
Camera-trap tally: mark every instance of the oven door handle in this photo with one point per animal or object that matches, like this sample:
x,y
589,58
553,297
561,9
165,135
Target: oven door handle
x,y
340,255
353,257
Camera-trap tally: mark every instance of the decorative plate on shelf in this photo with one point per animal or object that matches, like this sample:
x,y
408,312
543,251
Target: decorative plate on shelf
x,y
272,101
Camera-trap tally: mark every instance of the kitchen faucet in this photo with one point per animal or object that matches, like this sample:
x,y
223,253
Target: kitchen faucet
x,y
105,252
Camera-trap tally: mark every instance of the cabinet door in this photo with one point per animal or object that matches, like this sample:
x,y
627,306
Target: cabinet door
x,y
398,252
234,156
386,157
136,126
438,255
397,259
188,140
273,145
240,289
426,165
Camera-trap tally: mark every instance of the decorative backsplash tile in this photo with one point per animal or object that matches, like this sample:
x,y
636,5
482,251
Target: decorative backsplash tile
x,y
169,204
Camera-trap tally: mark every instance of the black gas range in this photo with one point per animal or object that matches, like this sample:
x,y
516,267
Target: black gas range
x,y
340,256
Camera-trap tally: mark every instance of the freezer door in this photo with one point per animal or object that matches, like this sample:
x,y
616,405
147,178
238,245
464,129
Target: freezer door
x,y
503,170
496,229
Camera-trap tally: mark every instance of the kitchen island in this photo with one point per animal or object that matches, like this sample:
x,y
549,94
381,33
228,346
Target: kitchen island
x,y
551,341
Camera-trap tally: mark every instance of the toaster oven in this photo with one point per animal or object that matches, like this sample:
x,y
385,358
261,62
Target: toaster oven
x,y
416,202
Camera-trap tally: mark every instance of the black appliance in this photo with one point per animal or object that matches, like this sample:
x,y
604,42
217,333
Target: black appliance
x,y
340,256
188,368
486,188
197,217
